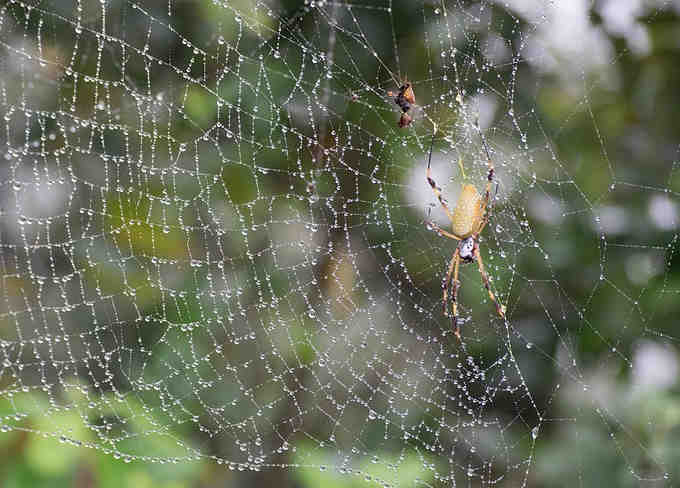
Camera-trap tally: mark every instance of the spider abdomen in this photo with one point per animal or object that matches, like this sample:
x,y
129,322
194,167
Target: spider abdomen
x,y
469,212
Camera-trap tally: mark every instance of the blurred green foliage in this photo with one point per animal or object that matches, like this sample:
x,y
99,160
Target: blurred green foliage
x,y
50,449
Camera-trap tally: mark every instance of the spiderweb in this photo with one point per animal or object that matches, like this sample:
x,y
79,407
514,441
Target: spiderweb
x,y
214,240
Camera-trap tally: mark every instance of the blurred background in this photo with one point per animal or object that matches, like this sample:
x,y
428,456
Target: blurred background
x,y
216,267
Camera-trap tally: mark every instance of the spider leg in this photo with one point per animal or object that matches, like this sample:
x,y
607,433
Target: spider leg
x,y
489,182
485,279
441,231
454,297
489,162
485,219
453,268
437,191
487,191
445,282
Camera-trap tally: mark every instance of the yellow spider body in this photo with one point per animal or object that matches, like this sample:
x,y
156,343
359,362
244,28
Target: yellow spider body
x,y
468,219
469,212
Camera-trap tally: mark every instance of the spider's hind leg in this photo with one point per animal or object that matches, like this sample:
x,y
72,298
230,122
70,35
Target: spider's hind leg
x,y
453,268
485,279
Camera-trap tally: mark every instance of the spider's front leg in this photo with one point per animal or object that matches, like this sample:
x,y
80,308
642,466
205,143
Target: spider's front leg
x,y
489,181
437,191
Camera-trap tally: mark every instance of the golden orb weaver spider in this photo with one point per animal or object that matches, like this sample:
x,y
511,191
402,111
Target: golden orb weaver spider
x,y
468,219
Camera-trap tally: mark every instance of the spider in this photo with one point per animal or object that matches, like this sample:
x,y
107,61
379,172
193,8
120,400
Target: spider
x,y
404,98
467,220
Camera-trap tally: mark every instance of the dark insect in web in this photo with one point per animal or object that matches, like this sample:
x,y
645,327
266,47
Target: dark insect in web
x,y
404,98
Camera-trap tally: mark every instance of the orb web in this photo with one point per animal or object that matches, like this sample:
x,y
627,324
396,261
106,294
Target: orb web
x,y
215,244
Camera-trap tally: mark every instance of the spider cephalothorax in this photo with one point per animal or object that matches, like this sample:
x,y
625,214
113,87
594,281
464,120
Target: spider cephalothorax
x,y
468,219
466,249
